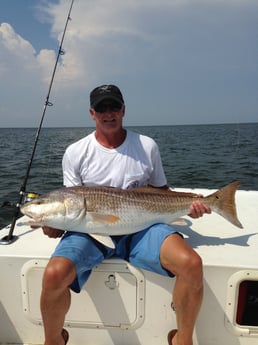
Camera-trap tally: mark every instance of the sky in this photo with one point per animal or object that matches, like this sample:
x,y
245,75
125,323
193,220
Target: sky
x,y
176,62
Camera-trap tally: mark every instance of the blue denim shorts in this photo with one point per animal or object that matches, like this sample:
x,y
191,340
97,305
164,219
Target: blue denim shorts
x,y
141,249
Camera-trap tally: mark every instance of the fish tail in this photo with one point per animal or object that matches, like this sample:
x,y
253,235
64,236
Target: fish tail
x,y
223,203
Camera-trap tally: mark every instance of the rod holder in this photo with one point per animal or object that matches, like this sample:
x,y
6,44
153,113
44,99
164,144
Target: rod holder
x,y
8,239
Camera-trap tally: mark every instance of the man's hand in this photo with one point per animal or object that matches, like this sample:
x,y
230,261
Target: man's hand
x,y
52,232
197,209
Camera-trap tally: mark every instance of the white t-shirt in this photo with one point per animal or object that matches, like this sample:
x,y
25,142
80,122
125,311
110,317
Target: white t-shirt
x,y
135,163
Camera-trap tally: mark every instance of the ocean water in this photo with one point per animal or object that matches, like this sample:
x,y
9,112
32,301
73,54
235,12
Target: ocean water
x,y
194,156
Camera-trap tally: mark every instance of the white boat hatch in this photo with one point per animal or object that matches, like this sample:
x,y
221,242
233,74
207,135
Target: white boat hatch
x,y
118,302
242,303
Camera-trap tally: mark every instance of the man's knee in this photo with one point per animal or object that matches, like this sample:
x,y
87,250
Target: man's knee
x,y
193,261
60,272
189,263
193,268
191,271
180,259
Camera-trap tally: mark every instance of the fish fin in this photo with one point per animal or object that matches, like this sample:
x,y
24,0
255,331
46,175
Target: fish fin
x,y
103,218
184,194
149,189
225,203
179,221
106,240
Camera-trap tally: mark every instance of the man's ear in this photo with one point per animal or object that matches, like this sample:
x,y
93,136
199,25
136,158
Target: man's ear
x,y
123,114
92,113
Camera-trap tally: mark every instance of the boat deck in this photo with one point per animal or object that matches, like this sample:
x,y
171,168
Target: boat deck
x,y
122,305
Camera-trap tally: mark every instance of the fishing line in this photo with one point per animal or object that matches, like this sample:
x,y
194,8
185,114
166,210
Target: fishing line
x,y
10,237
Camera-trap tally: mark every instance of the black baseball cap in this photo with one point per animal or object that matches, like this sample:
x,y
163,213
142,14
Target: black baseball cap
x,y
103,92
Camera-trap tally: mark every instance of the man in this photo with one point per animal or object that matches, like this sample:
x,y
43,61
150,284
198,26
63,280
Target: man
x,y
114,156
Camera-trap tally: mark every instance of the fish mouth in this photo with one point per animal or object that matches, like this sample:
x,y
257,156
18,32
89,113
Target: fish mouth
x,y
32,222
34,218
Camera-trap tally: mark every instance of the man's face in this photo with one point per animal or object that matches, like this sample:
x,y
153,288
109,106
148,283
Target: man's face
x,y
108,114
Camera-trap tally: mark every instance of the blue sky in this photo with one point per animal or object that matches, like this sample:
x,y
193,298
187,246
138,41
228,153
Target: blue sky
x,y
176,61
27,20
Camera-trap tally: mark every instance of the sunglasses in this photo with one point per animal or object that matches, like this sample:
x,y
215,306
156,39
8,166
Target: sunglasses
x,y
102,107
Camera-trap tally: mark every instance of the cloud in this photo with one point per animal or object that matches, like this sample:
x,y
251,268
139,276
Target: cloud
x,y
107,38
23,74
14,43
188,60
14,49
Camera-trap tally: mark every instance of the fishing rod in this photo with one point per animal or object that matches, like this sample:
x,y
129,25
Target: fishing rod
x,y
10,237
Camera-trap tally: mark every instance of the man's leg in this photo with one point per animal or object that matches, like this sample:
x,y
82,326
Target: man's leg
x,y
55,298
180,259
76,252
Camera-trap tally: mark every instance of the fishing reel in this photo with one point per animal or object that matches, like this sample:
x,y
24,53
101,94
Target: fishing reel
x,y
26,198
29,197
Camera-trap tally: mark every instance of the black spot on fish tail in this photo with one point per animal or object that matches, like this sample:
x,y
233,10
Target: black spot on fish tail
x,y
223,203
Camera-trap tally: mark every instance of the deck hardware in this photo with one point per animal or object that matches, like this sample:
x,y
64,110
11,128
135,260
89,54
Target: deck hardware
x,y
111,283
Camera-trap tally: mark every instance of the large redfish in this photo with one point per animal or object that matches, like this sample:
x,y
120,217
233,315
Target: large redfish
x,y
105,211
